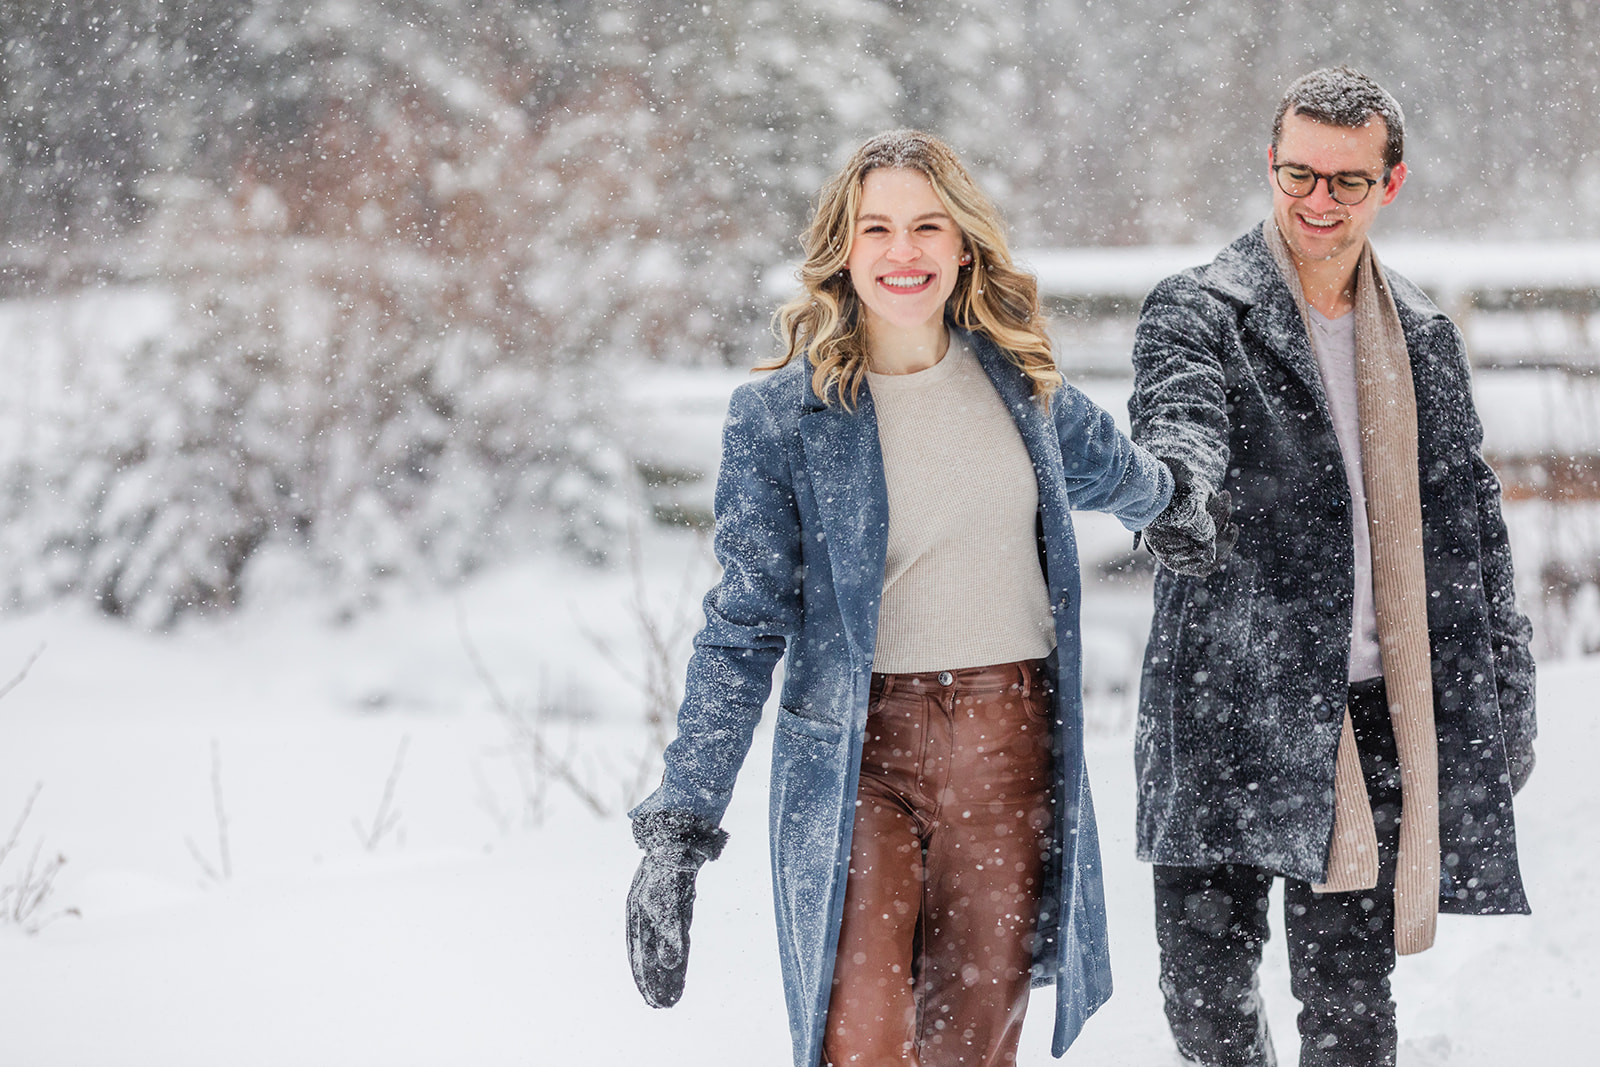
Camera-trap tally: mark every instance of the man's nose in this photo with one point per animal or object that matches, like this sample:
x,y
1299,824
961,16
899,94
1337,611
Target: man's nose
x,y
1321,194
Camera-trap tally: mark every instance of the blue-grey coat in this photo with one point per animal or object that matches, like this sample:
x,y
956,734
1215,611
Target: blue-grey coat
x,y
802,521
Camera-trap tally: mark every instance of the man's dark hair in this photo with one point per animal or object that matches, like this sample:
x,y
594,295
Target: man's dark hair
x,y
1339,96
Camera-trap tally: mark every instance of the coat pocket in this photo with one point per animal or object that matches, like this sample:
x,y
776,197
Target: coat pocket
x,y
808,806
816,729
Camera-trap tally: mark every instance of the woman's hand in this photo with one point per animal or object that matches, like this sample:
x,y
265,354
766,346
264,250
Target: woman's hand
x,y
661,900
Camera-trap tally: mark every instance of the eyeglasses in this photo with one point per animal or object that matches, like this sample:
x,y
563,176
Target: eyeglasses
x,y
1346,189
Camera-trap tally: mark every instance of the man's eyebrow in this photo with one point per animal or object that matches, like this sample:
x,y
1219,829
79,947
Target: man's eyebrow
x,y
1361,172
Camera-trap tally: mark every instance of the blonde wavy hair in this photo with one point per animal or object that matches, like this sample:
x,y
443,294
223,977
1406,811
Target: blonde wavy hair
x,y
825,321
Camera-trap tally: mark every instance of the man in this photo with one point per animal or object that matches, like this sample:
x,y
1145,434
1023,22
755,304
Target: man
x,y
1346,701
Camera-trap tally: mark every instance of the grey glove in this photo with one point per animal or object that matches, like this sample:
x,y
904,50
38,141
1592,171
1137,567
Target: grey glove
x,y
1194,535
661,901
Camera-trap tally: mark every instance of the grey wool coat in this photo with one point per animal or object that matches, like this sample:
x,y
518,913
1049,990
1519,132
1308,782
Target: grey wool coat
x,y
802,523
1245,675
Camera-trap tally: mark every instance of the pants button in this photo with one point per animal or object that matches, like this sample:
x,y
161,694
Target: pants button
x,y
946,678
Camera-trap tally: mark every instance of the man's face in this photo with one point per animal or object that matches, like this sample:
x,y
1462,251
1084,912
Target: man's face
x,y
1316,226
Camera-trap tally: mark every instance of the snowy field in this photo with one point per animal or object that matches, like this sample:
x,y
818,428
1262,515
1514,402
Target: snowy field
x,y
481,923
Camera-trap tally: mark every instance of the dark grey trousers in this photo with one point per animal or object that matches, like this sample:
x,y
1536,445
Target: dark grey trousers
x,y
1211,923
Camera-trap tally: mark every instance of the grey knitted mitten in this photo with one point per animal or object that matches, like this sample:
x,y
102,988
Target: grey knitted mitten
x,y
661,900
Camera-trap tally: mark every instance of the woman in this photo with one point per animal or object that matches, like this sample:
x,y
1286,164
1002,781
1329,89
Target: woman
x,y
893,518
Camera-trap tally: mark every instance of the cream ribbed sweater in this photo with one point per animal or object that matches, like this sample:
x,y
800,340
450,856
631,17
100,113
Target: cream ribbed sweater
x,y
962,585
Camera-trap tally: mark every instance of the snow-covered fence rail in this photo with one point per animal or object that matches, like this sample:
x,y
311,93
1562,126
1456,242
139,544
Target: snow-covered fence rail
x,y
1522,305
1530,312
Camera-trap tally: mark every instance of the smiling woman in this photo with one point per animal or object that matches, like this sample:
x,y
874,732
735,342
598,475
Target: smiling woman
x,y
893,517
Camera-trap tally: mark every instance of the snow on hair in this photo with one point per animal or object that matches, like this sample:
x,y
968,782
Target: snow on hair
x,y
1340,96
824,322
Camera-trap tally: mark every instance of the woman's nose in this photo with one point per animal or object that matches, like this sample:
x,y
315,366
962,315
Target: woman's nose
x,y
901,249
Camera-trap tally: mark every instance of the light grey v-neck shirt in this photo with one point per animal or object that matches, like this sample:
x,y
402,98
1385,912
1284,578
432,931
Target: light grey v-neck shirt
x,y
962,586
1334,342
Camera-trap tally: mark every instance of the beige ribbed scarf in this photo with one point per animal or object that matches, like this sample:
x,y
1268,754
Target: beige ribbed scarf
x,y
1386,403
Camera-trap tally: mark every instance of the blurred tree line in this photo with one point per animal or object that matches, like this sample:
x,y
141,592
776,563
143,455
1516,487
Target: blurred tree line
x,y
408,237
1097,122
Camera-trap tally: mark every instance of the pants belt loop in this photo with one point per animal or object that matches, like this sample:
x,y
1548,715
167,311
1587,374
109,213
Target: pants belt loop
x,y
888,684
1026,685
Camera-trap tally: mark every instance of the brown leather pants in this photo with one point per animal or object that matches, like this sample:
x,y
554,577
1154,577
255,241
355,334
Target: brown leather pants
x,y
952,828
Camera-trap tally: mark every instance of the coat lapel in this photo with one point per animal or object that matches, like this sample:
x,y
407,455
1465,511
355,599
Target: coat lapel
x,y
1246,270
1281,333
846,468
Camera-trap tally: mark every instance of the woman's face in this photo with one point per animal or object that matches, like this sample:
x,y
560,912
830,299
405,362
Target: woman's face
x,y
906,252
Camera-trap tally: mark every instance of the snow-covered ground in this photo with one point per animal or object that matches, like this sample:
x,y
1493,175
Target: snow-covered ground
x,y
480,931
397,883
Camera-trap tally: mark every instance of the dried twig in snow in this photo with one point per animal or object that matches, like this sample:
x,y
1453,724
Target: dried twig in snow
x,y
387,816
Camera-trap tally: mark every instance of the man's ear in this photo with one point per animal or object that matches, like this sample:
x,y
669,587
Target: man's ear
x,y
1397,178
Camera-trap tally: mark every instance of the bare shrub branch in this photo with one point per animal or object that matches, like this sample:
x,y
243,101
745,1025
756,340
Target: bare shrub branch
x,y
22,901
489,800
223,869
387,817
654,670
527,733
662,634
16,831
23,673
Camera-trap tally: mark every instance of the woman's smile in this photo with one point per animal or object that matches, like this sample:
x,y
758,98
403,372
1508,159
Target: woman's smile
x,y
907,283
